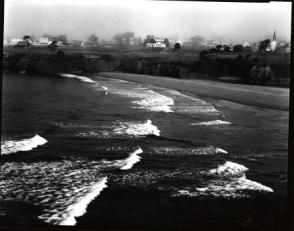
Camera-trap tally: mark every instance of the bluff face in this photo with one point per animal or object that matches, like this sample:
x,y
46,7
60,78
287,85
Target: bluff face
x,y
256,68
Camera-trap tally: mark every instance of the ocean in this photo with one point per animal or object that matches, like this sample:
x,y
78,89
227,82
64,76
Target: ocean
x,y
95,152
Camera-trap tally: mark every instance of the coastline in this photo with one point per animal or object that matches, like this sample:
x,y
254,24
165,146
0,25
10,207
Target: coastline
x,y
259,96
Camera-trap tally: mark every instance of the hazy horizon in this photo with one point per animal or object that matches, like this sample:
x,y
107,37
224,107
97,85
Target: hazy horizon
x,y
181,20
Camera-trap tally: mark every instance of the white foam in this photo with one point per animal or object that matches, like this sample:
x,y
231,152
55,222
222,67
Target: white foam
x,y
148,99
230,182
155,102
14,146
210,150
189,104
123,129
220,151
105,89
62,189
137,129
129,162
80,207
233,188
82,78
229,169
213,122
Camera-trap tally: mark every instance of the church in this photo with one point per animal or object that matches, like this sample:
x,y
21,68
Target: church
x,y
273,44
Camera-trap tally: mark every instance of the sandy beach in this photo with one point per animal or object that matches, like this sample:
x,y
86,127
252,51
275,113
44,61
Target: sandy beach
x,y
259,96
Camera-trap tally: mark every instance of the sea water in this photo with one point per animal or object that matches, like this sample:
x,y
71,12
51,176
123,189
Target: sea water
x,y
70,142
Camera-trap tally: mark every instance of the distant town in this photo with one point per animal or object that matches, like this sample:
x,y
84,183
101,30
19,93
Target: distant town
x,y
129,40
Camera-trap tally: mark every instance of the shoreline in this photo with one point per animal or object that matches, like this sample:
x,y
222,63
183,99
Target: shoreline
x,y
251,95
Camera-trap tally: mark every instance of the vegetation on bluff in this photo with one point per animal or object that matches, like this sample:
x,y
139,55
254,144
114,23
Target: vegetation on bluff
x,y
266,68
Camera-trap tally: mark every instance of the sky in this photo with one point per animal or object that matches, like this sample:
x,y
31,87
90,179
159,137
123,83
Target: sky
x,y
174,19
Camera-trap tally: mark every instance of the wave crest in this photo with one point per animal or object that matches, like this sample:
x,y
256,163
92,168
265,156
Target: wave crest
x,y
213,122
137,129
229,182
79,208
82,78
229,169
210,150
14,146
129,162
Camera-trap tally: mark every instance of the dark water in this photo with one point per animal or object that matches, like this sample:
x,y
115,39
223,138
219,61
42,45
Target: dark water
x,y
137,157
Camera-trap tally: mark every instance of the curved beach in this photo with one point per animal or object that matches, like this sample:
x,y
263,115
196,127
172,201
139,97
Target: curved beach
x,y
259,96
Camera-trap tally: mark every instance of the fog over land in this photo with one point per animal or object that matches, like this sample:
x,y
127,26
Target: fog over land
x,y
182,20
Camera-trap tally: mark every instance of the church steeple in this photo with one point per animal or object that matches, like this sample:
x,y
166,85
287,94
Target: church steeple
x,y
274,37
274,42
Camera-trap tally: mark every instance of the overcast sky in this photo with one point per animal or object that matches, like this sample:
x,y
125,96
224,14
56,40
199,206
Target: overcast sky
x,y
80,18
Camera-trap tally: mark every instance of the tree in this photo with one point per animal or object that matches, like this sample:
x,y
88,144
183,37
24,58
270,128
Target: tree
x,y
218,47
213,50
50,37
204,55
166,42
53,45
152,40
196,41
238,48
123,38
62,38
92,38
227,49
247,49
149,39
177,46
263,45
26,38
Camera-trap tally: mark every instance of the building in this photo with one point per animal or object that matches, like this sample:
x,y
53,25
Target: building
x,y
273,45
156,45
14,41
246,44
44,41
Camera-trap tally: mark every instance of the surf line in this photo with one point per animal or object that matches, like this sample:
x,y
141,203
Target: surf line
x,y
79,207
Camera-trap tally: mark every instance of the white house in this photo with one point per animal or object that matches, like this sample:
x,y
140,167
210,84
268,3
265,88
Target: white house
x,y
273,45
156,45
246,44
44,41
14,41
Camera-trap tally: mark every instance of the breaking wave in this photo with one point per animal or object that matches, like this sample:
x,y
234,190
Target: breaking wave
x,y
213,122
62,189
137,129
78,209
14,146
229,169
189,104
210,150
127,163
148,99
122,129
82,78
229,182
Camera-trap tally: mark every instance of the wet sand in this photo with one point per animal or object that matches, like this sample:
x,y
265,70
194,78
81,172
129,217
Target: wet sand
x,y
259,96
